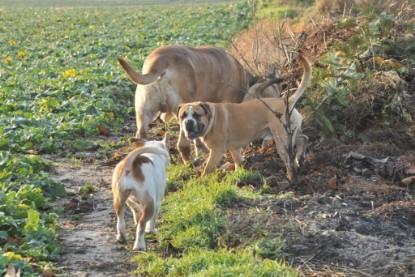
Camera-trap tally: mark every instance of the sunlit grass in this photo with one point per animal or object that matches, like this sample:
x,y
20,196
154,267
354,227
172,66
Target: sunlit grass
x,y
211,263
194,227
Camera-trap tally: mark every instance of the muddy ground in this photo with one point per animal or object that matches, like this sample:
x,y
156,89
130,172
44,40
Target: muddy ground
x,y
344,217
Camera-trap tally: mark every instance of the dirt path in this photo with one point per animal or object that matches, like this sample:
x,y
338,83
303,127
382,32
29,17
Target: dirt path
x,y
88,228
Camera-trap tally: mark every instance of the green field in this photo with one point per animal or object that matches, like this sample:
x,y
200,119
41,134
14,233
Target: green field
x,y
101,3
59,79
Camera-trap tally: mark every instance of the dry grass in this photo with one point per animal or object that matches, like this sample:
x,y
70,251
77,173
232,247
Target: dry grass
x,y
267,46
256,48
401,8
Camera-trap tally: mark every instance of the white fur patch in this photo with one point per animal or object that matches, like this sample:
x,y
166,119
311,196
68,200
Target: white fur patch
x,y
188,119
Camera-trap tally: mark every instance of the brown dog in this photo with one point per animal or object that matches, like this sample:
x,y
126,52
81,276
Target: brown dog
x,y
173,75
230,126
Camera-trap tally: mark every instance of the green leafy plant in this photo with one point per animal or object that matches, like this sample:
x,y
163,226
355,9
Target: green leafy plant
x,y
86,189
273,249
27,227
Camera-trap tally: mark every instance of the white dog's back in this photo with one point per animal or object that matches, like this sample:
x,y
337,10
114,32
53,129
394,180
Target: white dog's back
x,y
144,172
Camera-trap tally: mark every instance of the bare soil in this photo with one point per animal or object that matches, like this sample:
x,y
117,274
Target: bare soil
x,y
87,235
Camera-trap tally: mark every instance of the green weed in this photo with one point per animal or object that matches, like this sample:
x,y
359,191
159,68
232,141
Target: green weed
x,y
273,249
279,10
86,189
76,162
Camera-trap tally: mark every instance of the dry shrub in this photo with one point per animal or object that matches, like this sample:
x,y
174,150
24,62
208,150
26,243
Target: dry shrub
x,y
333,7
267,46
256,48
400,8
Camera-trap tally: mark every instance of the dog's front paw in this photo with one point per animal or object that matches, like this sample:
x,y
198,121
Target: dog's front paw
x,y
139,248
152,231
121,239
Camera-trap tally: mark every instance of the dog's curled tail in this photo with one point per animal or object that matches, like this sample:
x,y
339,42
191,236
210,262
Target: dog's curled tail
x,y
304,82
145,150
136,77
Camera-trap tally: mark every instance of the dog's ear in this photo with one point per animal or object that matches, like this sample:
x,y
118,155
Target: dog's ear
x,y
178,109
206,108
138,142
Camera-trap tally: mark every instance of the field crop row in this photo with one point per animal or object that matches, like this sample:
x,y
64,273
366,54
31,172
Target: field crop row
x,y
60,78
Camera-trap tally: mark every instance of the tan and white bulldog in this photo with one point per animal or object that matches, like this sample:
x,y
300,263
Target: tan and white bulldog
x,y
139,182
230,126
176,74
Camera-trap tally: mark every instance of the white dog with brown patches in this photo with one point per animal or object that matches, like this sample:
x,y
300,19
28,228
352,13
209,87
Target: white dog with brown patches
x,y
139,181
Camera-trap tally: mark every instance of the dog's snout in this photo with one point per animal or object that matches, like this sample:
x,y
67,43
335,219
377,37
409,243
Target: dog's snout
x,y
189,124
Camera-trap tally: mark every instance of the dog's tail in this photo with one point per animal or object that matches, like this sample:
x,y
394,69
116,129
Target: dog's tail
x,y
136,77
145,150
304,82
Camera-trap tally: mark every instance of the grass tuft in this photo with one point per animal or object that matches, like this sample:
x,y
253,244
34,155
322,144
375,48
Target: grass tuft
x,y
211,263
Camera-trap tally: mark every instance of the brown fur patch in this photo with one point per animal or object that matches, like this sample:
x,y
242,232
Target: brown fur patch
x,y
148,211
118,171
119,200
137,172
138,142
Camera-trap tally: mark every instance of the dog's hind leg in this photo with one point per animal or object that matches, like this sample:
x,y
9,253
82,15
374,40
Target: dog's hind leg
x,y
282,151
236,157
151,224
119,207
148,213
136,209
301,145
281,141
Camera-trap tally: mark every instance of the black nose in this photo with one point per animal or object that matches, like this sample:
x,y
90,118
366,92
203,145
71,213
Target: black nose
x,y
189,124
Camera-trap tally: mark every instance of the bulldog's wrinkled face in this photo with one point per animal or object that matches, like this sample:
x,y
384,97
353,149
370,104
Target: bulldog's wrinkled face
x,y
193,119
